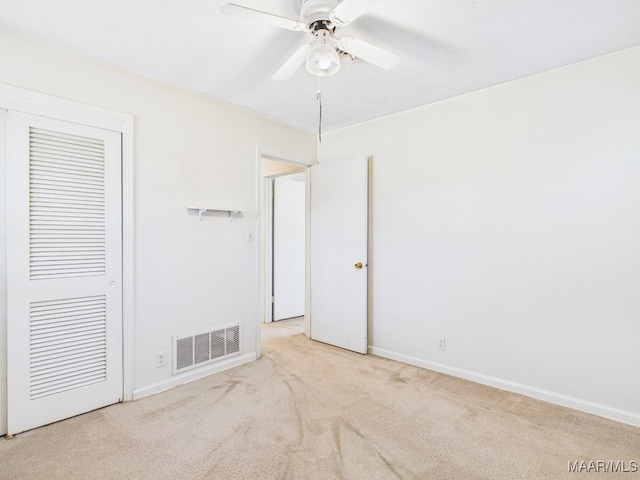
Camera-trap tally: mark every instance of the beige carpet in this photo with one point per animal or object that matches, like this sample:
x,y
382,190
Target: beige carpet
x,y
310,411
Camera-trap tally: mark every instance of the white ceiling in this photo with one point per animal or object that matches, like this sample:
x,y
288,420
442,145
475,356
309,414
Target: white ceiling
x,y
449,47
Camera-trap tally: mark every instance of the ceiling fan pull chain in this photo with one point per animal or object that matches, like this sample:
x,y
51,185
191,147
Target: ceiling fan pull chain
x,y
319,98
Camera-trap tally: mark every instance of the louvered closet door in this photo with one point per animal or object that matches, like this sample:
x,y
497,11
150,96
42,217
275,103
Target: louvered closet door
x,y
64,270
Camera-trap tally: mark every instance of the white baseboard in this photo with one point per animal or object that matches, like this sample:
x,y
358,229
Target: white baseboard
x,y
192,375
605,411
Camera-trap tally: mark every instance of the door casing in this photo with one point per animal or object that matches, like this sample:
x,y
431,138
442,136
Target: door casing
x,y
264,271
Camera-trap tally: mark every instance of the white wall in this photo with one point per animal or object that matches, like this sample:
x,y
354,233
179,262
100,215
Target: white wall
x,y
508,221
189,150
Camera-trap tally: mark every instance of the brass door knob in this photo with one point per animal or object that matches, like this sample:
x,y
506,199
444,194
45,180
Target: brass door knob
x,y
358,265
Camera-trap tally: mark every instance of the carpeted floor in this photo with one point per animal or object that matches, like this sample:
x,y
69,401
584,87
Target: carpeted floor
x,y
310,411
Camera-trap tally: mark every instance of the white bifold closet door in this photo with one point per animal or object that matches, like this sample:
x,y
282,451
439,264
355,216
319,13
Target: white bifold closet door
x,y
64,270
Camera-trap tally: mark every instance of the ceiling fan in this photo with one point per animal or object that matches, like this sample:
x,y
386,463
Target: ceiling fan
x,y
321,18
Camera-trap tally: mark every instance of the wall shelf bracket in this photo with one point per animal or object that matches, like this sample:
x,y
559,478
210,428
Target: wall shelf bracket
x,y
201,210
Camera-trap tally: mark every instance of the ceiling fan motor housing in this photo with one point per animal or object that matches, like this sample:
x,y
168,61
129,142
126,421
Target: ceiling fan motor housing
x,y
321,18
315,11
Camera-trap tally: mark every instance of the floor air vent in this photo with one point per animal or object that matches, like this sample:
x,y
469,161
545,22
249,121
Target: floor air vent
x,y
206,347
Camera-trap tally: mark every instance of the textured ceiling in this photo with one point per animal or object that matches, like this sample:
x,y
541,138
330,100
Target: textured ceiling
x,y
449,47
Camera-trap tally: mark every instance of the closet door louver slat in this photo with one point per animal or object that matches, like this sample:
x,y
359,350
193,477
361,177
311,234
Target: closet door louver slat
x,y
66,207
68,344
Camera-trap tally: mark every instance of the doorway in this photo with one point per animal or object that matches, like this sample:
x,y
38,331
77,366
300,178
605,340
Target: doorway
x,y
283,194
336,250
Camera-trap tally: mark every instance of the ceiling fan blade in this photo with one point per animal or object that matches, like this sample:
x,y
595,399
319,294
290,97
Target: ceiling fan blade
x,y
263,17
294,62
348,10
370,53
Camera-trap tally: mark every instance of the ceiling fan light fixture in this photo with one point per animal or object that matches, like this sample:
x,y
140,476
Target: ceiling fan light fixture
x,y
323,59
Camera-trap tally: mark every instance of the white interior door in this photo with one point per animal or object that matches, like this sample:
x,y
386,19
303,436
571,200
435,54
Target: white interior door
x,y
288,247
64,270
338,258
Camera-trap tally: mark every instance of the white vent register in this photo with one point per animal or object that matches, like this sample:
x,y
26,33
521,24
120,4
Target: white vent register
x,y
192,351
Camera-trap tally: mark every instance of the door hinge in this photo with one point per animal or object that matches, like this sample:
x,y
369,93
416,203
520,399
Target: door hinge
x,y
273,299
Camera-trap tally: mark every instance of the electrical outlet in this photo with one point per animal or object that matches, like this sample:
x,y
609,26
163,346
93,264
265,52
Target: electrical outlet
x,y
442,344
161,359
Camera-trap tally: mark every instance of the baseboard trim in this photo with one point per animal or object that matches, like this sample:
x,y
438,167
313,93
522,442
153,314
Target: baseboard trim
x,y
605,411
192,375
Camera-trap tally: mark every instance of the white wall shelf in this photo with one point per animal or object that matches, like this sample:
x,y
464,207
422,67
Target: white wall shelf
x,y
232,213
